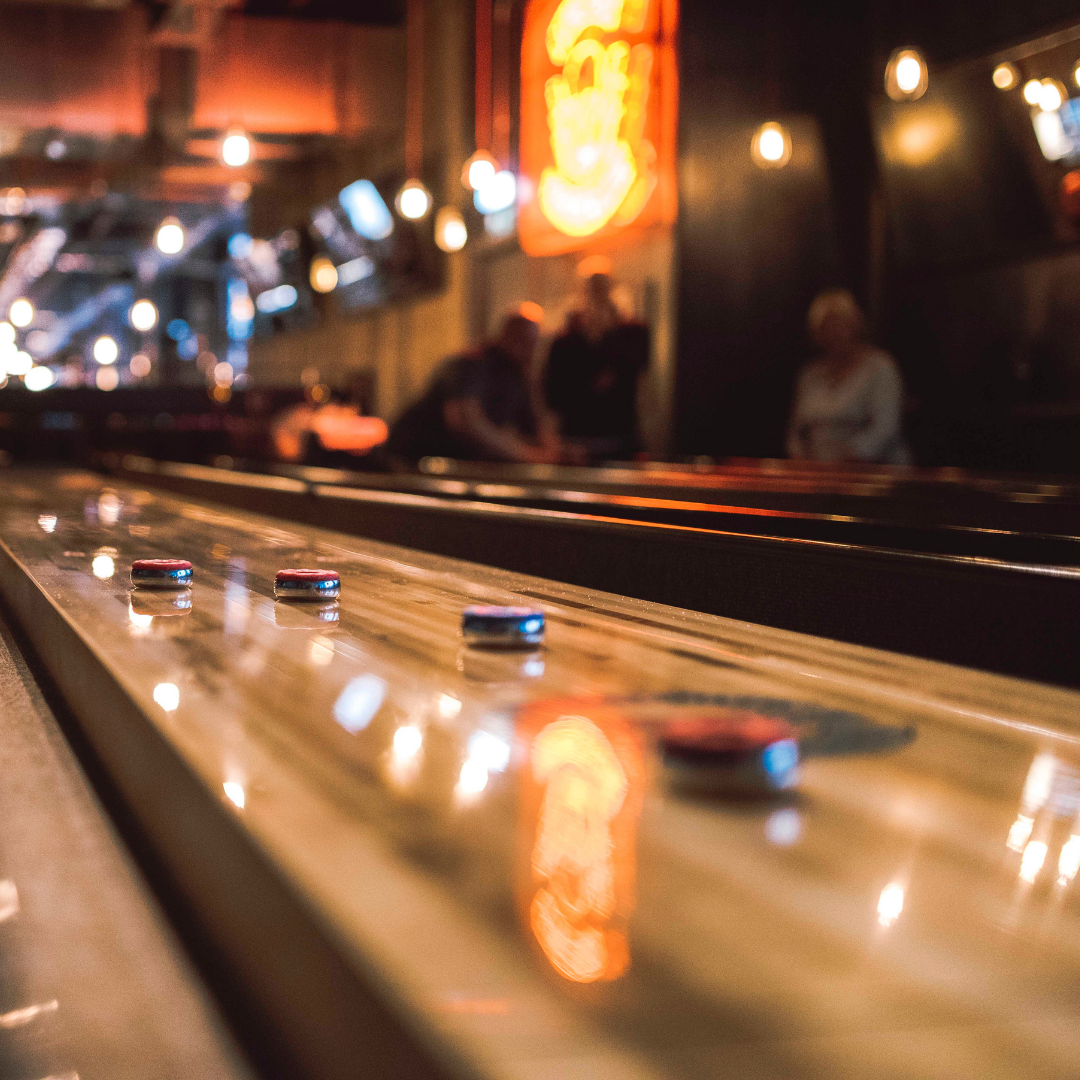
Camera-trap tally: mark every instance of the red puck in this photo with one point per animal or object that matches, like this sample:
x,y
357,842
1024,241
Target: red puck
x,y
161,573
162,565
725,732
734,748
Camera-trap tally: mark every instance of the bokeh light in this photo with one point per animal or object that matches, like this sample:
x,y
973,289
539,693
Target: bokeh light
x,y
106,350
451,233
771,146
107,378
21,313
1005,76
39,378
236,149
143,315
323,275
413,200
170,237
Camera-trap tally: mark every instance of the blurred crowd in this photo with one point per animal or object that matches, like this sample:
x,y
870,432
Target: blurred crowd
x,y
576,401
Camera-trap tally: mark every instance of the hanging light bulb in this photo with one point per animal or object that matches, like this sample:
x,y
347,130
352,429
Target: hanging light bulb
x,y
143,315
451,233
479,170
1005,76
21,313
169,237
413,200
1032,91
499,193
1052,95
771,146
323,275
905,75
236,148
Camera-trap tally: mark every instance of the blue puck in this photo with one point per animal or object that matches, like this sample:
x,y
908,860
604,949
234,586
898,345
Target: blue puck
x,y
509,627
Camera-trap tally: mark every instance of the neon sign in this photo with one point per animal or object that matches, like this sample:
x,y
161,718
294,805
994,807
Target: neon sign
x,y
598,120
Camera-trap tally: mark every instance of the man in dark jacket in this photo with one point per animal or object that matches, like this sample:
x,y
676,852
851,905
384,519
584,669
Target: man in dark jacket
x,y
478,406
592,375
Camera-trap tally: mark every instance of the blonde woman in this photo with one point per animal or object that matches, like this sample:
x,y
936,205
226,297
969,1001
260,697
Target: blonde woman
x,y
849,398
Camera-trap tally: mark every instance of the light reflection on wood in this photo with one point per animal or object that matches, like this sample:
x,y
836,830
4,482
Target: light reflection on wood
x,y
581,801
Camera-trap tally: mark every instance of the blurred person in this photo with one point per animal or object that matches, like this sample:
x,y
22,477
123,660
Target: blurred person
x,y
480,405
849,398
593,370
335,432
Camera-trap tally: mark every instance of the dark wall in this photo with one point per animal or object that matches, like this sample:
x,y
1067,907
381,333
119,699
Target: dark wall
x,y
950,260
755,245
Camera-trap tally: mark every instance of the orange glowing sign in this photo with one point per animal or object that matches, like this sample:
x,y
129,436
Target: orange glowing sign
x,y
598,115
582,795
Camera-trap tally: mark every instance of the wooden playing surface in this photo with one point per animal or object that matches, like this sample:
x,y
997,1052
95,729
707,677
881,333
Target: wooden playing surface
x,y
492,840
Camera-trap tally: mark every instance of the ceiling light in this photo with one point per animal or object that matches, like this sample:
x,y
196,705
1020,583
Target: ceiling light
x,y
39,378
18,362
450,231
499,193
106,350
323,275
905,75
1005,76
413,200
1032,91
479,170
236,149
771,146
21,313
1052,95
170,237
143,315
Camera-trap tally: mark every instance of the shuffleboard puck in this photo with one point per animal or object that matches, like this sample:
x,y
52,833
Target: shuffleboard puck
x,y
731,751
307,585
505,627
161,573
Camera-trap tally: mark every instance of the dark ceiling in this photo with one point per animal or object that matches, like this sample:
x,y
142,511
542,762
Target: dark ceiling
x,y
362,12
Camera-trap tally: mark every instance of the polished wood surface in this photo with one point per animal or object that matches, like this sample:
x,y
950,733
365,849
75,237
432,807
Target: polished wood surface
x,y
93,982
909,911
1012,617
695,508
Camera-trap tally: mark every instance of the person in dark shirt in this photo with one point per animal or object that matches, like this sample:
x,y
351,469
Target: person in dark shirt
x,y
478,406
592,375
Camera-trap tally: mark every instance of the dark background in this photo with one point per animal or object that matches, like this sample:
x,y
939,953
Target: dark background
x,y
969,275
